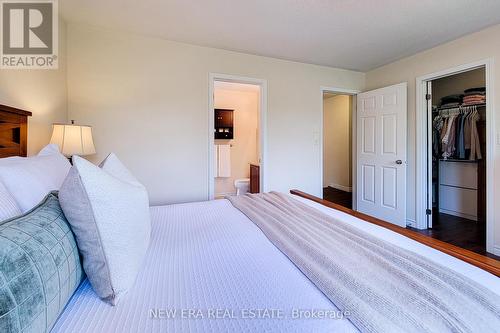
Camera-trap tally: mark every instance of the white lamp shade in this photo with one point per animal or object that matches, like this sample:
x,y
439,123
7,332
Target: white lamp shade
x,y
73,139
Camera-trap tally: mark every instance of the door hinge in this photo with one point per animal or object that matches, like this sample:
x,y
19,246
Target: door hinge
x,y
428,97
428,212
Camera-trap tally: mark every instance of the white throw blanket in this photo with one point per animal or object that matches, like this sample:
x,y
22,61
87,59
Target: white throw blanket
x,y
384,287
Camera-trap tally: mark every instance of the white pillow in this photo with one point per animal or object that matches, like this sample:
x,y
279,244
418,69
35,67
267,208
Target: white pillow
x,y
8,206
30,179
114,166
108,210
49,149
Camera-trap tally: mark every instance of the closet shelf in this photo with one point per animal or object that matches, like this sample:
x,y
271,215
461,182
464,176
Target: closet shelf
x,y
456,107
457,160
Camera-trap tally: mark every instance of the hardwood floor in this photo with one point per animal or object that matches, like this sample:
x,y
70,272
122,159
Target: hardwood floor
x,y
339,197
451,229
458,231
464,233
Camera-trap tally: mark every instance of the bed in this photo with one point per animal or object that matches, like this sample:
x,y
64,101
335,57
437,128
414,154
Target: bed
x,y
209,268
209,256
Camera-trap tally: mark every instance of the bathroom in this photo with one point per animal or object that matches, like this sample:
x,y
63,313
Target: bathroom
x,y
236,138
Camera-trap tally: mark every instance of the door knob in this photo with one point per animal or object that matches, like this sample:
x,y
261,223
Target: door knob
x,y
399,162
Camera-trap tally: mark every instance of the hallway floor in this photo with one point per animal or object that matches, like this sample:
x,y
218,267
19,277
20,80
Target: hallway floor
x,y
339,197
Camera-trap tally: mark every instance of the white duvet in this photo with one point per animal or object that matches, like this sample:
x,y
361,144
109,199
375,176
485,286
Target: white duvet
x,y
210,269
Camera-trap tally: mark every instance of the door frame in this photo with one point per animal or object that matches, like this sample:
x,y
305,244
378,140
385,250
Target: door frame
x,y
422,145
212,77
340,91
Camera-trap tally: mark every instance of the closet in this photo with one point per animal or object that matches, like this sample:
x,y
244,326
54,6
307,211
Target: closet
x,y
459,158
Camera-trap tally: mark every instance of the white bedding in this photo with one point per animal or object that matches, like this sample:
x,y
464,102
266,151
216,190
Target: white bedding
x,y
208,256
205,255
484,278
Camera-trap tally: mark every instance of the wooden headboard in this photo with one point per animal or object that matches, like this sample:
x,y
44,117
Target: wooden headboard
x,y
13,131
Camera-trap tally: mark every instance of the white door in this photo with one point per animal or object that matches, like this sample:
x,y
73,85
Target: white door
x,y
381,153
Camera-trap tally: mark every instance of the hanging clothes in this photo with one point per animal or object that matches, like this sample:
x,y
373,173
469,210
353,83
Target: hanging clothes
x,y
467,135
437,125
461,138
475,151
448,142
443,130
457,135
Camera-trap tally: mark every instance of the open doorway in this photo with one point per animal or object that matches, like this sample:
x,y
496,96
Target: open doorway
x,y
458,158
337,148
237,137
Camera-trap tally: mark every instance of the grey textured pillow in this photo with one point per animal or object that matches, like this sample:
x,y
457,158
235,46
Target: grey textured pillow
x,y
108,210
39,268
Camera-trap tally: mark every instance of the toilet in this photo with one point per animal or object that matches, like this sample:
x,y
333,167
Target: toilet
x,y
242,185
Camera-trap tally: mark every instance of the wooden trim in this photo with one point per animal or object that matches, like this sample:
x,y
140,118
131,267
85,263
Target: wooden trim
x,y
10,109
488,264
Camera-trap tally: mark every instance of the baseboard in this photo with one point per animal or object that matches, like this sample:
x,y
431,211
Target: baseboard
x,y
411,223
341,187
462,215
496,250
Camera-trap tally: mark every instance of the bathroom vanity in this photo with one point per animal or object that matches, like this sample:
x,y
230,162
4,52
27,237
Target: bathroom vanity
x,y
254,178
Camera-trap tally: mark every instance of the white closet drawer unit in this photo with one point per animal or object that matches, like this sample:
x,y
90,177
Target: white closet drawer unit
x,y
458,201
461,174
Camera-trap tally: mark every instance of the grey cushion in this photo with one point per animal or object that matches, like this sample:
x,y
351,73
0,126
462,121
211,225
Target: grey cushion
x,y
108,210
39,268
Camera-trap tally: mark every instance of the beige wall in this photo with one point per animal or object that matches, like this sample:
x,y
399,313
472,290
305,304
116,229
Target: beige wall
x,y
244,144
337,142
471,48
41,91
147,100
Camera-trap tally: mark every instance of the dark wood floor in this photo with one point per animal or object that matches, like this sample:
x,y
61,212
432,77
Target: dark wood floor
x,y
467,234
339,197
455,230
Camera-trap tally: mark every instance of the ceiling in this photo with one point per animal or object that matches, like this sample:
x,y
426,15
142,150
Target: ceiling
x,y
351,34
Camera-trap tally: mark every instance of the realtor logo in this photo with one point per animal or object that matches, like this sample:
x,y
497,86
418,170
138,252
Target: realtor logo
x,y
29,34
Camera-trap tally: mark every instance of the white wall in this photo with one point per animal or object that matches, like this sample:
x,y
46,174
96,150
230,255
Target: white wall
x,y
147,100
41,91
337,142
244,144
473,47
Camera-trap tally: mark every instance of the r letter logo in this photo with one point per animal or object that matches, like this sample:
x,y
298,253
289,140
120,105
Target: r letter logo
x,y
29,34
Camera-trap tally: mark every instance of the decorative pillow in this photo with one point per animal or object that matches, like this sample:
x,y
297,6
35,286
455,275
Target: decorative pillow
x,y
39,268
8,206
114,166
108,211
30,179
